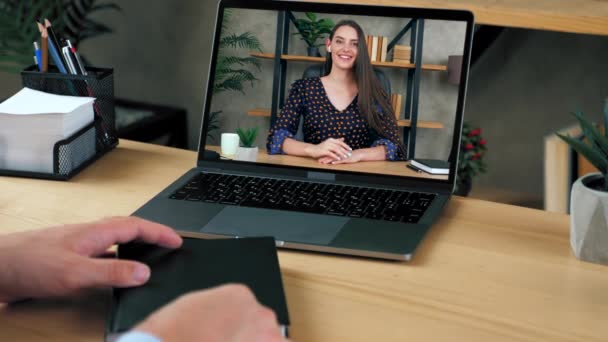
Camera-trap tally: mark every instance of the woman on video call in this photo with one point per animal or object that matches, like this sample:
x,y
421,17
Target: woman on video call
x,y
347,114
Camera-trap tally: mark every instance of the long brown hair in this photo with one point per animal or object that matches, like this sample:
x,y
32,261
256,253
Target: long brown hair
x,y
371,93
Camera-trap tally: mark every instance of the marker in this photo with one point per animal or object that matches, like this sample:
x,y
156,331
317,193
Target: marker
x,y
38,56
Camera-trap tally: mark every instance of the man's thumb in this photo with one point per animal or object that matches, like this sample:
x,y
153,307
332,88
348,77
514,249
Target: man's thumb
x,y
118,273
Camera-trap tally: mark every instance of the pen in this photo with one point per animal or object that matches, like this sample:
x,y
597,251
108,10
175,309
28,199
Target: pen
x,y
70,64
38,56
77,57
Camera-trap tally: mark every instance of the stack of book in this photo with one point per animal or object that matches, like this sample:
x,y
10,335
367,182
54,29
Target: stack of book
x,y
377,48
402,54
396,102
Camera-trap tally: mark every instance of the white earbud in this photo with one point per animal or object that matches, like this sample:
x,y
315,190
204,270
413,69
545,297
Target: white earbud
x,y
329,50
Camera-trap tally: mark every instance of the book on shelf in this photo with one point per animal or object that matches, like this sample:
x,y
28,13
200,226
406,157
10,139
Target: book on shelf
x,y
377,48
374,48
404,48
562,167
402,54
396,102
401,61
432,166
384,49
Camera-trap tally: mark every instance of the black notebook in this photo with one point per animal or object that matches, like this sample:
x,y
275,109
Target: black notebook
x,y
433,166
198,264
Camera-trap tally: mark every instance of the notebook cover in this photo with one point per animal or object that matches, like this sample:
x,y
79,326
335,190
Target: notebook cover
x,y
434,163
198,264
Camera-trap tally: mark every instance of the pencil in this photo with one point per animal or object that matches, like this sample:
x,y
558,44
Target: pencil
x,y
44,46
45,51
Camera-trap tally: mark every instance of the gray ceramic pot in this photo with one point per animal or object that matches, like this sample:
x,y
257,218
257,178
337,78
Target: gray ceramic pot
x,y
247,154
589,221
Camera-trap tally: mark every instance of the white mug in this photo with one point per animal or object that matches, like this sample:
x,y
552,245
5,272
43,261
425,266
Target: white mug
x,y
230,142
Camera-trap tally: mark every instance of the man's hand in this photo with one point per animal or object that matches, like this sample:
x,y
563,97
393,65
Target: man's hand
x,y
228,313
336,149
62,260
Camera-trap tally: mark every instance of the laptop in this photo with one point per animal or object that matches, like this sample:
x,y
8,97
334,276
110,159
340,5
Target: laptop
x,y
380,209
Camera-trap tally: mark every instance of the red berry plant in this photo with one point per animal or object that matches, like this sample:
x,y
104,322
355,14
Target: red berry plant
x,y
470,159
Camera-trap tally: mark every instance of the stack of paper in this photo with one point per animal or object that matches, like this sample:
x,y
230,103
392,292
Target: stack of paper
x,y
31,122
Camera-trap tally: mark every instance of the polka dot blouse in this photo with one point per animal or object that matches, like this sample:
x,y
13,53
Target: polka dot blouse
x,y
307,99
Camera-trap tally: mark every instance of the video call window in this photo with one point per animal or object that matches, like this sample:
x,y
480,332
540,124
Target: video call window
x,y
350,93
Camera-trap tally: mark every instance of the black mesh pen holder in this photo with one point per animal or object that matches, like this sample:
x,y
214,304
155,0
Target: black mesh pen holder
x,y
99,83
82,148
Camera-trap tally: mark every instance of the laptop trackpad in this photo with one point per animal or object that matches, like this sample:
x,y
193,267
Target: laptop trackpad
x,y
283,225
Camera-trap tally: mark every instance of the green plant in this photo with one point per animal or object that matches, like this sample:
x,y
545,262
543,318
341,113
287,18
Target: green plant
x,y
18,28
311,29
470,158
594,145
232,70
247,136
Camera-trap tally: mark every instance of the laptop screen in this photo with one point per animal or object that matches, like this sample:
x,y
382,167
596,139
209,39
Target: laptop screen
x,y
343,89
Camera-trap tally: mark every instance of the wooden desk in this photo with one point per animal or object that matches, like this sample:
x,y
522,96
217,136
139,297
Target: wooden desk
x,y
576,16
486,272
396,168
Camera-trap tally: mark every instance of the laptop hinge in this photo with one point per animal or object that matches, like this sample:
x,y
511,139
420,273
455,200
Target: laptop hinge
x,y
321,176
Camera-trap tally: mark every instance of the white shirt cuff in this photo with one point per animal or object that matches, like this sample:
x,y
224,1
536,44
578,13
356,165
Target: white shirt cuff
x,y
138,336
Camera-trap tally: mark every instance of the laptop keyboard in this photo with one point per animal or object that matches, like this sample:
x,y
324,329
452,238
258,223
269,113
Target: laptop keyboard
x,y
318,198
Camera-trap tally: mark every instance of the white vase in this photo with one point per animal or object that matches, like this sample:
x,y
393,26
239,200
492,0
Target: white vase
x,y
249,154
589,221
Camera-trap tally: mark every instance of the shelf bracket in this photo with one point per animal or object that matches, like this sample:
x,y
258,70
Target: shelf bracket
x,y
413,87
278,69
400,35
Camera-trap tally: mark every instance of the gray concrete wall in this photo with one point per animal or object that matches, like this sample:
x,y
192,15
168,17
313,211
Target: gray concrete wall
x,y
437,97
523,88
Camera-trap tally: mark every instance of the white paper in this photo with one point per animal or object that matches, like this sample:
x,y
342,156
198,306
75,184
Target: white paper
x,y
31,122
32,102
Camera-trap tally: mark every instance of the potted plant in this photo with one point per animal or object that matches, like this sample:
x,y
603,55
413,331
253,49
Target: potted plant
x,y
589,195
470,159
311,30
247,150
232,69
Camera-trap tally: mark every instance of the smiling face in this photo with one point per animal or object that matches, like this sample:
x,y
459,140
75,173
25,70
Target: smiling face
x,y
343,47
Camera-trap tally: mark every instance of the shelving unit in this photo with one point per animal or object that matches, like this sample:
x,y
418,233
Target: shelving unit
x,y
409,123
298,58
265,112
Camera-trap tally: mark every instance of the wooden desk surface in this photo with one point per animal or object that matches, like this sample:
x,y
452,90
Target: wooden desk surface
x,y
395,168
486,272
576,16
